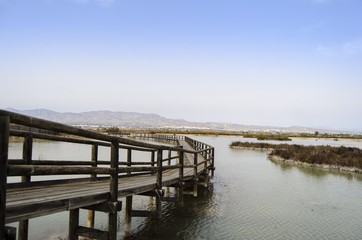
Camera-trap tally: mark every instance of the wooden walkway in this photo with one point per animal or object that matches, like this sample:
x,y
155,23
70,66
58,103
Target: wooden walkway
x,y
108,181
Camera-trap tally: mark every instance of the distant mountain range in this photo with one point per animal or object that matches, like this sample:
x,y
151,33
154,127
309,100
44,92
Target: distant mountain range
x,y
143,120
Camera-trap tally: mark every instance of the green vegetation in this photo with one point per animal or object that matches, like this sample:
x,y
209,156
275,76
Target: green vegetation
x,y
339,156
254,145
266,136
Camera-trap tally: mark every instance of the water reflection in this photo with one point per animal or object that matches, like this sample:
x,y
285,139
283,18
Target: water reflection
x,y
317,172
250,197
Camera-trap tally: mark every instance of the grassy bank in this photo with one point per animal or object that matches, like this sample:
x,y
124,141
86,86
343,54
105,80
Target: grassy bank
x,y
263,136
320,155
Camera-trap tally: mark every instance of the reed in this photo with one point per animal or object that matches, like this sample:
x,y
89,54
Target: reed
x,y
339,156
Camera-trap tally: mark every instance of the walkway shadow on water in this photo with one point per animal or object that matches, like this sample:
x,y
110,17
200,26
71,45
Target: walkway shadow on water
x,y
180,221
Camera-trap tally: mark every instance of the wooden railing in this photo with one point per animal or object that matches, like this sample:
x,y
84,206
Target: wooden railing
x,y
198,147
93,168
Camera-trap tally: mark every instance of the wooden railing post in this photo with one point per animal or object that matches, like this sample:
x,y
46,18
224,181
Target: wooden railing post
x,y
4,148
153,159
212,161
94,158
206,160
169,157
195,166
159,182
181,169
112,216
27,155
129,199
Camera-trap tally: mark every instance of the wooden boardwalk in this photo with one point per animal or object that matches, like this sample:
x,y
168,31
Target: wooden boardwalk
x,y
187,160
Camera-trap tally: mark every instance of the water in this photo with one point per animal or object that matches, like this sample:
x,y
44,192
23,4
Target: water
x,y
250,197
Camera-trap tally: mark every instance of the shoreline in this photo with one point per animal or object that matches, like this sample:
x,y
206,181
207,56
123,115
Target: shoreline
x,y
278,159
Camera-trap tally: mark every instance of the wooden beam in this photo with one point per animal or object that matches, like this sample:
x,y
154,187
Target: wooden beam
x,y
91,233
105,207
29,170
4,148
143,213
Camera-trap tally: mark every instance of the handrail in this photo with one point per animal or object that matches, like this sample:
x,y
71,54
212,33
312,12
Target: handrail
x,y
112,169
59,127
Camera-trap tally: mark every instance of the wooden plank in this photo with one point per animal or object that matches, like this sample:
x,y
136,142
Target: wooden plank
x,y
127,186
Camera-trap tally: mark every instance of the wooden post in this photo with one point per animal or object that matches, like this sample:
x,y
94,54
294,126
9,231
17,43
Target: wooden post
x,y
94,157
169,157
212,161
4,148
159,182
195,189
10,233
206,160
195,165
181,169
128,216
73,223
152,159
129,199
112,216
27,155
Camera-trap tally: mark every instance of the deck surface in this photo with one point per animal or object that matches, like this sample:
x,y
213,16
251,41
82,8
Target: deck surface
x,y
28,202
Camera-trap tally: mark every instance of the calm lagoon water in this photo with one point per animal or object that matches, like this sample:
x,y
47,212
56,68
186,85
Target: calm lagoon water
x,y
249,197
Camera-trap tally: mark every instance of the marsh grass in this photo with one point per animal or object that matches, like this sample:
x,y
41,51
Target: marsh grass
x,y
339,156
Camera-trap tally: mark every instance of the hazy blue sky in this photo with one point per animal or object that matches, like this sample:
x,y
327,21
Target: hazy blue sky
x,y
261,62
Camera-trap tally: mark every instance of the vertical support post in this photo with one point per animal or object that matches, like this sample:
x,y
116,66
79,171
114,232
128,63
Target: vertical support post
x,y
195,165
195,175
112,216
169,157
195,189
27,155
94,157
128,216
129,199
159,182
73,223
181,169
4,149
181,176
212,161
153,159
206,160
10,233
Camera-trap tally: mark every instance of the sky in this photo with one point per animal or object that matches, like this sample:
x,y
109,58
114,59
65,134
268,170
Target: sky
x,y
258,62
